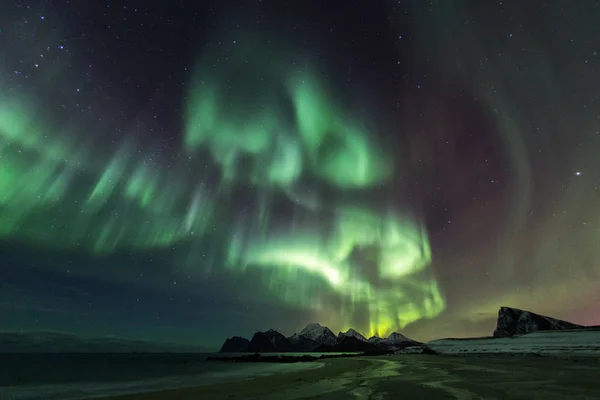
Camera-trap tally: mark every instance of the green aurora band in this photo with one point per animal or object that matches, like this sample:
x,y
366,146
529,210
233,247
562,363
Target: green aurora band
x,y
280,133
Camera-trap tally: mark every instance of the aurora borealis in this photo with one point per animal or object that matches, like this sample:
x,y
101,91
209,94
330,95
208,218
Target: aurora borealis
x,y
190,172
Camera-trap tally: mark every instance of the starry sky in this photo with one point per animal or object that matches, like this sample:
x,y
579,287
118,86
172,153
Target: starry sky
x,y
186,171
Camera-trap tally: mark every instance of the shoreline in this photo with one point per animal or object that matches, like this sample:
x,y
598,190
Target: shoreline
x,y
260,387
280,358
408,376
141,385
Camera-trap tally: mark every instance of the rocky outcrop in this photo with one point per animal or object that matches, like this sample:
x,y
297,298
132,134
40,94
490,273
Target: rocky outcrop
x,y
512,321
254,358
235,344
270,341
417,349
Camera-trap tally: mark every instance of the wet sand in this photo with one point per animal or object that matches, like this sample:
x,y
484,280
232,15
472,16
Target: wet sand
x,y
413,377
263,387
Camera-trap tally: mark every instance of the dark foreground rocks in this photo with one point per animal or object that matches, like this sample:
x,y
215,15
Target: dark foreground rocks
x,y
256,357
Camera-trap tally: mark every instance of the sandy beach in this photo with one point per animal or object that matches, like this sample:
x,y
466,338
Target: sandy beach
x,y
413,377
273,386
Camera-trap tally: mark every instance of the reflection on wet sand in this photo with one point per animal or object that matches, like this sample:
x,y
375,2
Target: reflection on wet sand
x,y
415,377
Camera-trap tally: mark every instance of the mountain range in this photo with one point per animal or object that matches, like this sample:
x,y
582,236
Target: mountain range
x,y
318,338
315,338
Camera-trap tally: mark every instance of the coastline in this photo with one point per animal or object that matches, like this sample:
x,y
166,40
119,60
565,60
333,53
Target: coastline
x,y
86,376
412,377
265,386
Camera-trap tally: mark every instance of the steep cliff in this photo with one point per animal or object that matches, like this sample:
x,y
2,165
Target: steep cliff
x,y
270,341
235,344
512,321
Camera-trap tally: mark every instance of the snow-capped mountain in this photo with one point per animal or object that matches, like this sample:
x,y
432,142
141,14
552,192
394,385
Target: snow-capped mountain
x,y
375,339
396,337
352,333
318,333
393,338
295,338
316,337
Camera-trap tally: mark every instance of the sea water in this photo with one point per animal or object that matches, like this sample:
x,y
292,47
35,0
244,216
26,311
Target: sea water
x,y
83,376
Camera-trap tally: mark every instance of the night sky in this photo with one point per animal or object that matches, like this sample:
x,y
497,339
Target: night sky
x,y
185,171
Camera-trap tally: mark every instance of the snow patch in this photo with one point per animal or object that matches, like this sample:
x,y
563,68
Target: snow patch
x,y
575,341
320,334
375,339
396,337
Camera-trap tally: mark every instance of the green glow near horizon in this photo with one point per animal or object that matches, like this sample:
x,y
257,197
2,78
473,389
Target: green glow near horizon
x,y
300,263
391,288
274,131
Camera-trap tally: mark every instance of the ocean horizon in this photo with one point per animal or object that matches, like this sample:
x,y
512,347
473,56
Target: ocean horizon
x,y
74,376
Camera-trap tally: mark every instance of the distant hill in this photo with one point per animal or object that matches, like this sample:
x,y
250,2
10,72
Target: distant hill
x,y
61,342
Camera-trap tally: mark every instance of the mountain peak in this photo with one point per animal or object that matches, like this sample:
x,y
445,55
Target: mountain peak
x,y
395,337
268,341
352,333
314,325
318,333
375,339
